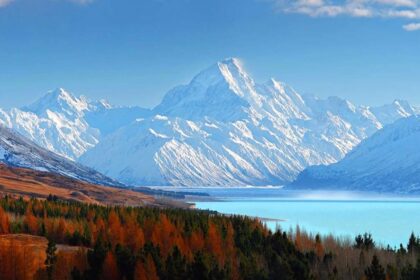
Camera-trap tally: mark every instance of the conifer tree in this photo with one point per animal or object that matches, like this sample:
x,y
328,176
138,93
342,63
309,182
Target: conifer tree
x,y
51,259
375,271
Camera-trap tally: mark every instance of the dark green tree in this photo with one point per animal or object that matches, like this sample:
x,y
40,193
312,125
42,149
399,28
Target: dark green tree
x,y
411,273
364,242
51,258
96,258
375,271
126,261
413,245
176,265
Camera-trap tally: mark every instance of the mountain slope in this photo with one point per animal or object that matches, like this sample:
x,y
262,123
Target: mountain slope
x,y
18,181
16,150
225,129
389,161
68,125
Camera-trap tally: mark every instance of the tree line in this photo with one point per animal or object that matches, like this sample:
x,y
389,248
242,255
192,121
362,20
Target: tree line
x,y
153,243
117,242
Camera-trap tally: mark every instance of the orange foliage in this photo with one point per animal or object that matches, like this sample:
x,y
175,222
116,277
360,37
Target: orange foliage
x,y
110,268
4,222
140,272
214,242
31,221
21,256
319,249
196,241
151,273
134,236
61,230
164,235
115,231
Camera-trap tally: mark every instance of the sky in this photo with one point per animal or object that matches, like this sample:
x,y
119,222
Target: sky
x,y
131,52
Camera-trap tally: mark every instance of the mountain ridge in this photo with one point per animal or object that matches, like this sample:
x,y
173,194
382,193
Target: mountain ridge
x,y
18,151
225,129
62,123
222,128
388,161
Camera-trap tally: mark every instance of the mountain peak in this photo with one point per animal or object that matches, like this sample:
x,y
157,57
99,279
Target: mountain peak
x,y
232,62
222,91
229,70
60,92
58,100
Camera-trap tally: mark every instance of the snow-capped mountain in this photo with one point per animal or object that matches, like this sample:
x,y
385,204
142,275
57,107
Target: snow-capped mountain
x,y
68,125
388,161
16,150
388,113
225,129
222,128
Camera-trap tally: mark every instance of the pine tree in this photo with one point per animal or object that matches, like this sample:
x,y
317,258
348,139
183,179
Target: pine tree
x,y
413,244
375,271
51,259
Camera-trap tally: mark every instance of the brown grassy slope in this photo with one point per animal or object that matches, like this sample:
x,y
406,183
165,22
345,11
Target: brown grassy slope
x,y
30,183
22,256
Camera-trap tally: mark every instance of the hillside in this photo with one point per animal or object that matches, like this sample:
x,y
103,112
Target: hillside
x,y
30,183
389,161
16,150
22,256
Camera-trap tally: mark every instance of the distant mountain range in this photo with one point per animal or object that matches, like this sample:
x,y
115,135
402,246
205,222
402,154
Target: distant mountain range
x,y
222,129
68,125
389,161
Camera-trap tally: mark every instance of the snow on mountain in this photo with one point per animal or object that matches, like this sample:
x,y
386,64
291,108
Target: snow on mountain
x,y
222,128
225,129
16,150
388,161
68,125
389,113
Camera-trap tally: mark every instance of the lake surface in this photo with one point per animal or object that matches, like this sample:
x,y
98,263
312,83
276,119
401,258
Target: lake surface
x,y
390,220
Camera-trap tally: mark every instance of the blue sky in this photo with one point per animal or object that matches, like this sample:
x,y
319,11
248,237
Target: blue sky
x,y
133,51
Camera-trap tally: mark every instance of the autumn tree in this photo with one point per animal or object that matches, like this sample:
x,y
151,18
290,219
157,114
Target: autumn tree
x,y
134,236
214,243
151,272
30,221
140,271
61,230
115,232
4,222
319,249
110,268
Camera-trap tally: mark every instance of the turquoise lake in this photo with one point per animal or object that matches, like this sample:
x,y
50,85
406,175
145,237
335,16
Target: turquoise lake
x,y
390,220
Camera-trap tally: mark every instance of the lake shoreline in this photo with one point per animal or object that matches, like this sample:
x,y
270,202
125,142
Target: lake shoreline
x,y
340,215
